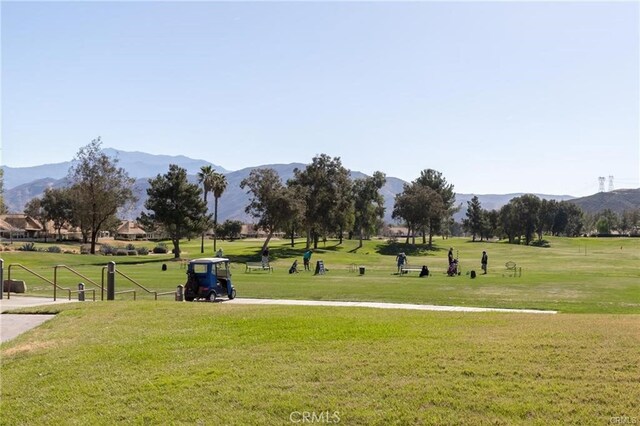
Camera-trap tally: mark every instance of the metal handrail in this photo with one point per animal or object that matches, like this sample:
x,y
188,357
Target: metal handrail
x,y
102,284
93,290
127,291
155,293
55,276
165,293
55,270
55,286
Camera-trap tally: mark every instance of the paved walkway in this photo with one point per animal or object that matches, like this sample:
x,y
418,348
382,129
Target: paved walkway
x,y
382,305
12,325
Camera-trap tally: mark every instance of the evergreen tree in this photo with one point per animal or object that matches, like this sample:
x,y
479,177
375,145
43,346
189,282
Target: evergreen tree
x,y
176,205
473,224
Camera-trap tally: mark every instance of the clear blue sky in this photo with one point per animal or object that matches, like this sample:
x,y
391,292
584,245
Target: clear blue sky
x,y
500,97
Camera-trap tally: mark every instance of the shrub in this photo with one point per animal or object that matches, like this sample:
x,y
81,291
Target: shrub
x,y
30,246
131,247
121,252
106,249
132,252
143,250
540,243
85,249
54,249
160,249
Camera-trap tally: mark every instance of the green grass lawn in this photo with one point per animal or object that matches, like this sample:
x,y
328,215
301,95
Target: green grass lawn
x,y
151,362
161,362
583,275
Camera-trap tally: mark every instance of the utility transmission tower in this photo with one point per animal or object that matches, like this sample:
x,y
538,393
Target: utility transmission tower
x,y
601,184
610,183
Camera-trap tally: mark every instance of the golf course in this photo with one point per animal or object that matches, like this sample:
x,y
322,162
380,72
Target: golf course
x,y
149,361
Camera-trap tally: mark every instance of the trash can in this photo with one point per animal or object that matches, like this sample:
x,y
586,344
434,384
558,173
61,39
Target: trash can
x,y
361,270
164,266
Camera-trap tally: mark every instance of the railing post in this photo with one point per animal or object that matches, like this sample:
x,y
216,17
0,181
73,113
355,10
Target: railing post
x,y
180,293
1,278
9,279
81,292
111,280
55,281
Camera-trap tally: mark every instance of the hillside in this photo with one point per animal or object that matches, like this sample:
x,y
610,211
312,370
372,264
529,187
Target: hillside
x,y
143,166
137,164
618,201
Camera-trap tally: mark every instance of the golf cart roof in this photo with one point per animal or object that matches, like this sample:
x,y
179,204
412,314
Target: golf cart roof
x,y
207,260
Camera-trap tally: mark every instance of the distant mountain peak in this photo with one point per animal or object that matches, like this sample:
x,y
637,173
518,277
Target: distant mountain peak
x,y
23,184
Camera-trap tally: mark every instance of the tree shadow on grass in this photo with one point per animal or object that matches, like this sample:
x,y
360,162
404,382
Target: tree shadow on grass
x,y
393,248
281,252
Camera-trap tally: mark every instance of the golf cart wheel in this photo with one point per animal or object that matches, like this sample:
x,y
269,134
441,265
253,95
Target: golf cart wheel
x,y
233,294
189,298
212,296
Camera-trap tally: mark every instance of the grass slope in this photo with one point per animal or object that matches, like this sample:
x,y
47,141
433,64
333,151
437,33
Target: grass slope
x,y
199,363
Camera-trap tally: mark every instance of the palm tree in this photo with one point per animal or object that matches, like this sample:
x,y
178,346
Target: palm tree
x,y
206,177
218,186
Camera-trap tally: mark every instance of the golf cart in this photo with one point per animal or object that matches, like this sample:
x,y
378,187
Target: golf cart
x,y
208,278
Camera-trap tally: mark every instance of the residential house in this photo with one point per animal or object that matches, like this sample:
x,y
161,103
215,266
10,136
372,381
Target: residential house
x,y
130,231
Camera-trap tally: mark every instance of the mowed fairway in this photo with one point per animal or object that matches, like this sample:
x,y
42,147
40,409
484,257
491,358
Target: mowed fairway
x,y
201,363
161,362
585,275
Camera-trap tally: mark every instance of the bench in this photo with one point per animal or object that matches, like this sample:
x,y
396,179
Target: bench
x,y
259,266
408,268
512,269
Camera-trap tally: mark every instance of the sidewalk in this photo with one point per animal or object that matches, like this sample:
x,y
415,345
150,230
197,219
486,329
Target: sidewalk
x,y
383,305
12,325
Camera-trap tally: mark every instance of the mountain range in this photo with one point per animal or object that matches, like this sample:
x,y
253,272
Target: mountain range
x,y
24,183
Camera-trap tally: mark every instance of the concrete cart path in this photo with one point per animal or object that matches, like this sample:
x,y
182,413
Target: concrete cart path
x,y
12,325
382,305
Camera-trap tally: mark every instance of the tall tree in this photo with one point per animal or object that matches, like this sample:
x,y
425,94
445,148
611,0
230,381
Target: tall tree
x,y
546,216
368,203
433,179
219,185
520,217
327,196
58,205
35,209
205,177
418,206
611,218
100,188
406,207
509,222
271,202
296,221
176,205
473,223
631,218
490,223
